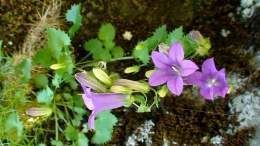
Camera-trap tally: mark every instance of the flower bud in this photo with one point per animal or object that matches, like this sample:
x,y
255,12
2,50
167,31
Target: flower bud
x,y
132,69
39,111
163,48
57,66
129,101
163,91
120,89
102,76
88,79
134,85
149,73
203,43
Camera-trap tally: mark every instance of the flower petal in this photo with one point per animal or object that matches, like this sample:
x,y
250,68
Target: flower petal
x,y
160,77
221,91
91,120
88,102
207,93
193,79
160,60
208,66
106,101
188,67
176,53
175,85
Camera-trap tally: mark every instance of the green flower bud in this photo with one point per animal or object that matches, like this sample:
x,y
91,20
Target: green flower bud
x,y
149,73
120,89
57,66
132,69
134,85
39,111
129,101
163,91
203,43
102,76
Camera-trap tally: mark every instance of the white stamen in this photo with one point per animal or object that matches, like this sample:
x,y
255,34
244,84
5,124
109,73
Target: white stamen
x,y
212,82
176,70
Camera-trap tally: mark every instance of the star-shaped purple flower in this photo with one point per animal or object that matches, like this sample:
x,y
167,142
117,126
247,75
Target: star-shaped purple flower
x,y
212,82
171,68
98,102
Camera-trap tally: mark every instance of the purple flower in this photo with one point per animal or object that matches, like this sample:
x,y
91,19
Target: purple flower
x,y
98,102
171,68
212,82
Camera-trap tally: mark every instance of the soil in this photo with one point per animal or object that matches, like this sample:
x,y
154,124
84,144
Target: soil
x,y
184,119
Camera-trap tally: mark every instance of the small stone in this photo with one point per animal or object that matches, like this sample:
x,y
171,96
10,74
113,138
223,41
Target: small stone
x,y
127,35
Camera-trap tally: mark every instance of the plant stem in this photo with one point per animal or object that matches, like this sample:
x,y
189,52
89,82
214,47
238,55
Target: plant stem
x,y
56,122
122,58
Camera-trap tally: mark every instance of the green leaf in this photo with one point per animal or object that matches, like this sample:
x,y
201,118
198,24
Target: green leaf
x,y
82,140
24,68
107,32
73,15
41,81
13,126
104,127
189,46
67,61
43,57
109,44
175,36
56,143
45,96
117,52
160,34
57,80
141,52
57,40
71,133
93,45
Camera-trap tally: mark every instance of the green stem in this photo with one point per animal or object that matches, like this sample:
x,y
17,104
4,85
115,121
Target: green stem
x,y
56,122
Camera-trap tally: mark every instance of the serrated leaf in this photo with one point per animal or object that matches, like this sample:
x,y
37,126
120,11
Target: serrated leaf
x,y
160,34
175,36
104,127
109,44
117,52
73,15
43,57
141,52
56,81
92,45
82,140
95,47
188,45
57,40
107,32
56,143
45,96
67,61
102,54
71,133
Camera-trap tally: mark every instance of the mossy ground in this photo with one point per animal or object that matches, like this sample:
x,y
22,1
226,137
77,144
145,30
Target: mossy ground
x,y
182,119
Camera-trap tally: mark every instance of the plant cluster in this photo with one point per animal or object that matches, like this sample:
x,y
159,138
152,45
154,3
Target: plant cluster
x,y
39,95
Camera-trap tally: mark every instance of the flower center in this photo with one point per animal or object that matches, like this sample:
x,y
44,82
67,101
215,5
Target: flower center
x,y
176,69
212,82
